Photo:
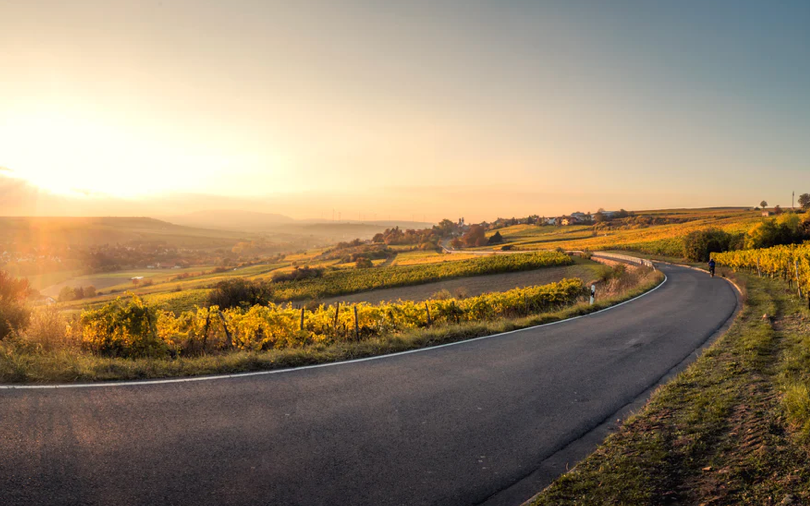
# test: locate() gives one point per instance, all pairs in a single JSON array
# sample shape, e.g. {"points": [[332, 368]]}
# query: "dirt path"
{"points": [[474, 285]]}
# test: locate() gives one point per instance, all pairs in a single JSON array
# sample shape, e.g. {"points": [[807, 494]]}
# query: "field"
{"points": [[343, 282], [477, 285], [657, 239]]}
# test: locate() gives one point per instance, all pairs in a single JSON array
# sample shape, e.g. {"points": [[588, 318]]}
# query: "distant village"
{"points": [[575, 218]]}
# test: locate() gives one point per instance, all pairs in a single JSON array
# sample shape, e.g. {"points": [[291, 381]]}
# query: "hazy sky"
{"points": [[414, 108]]}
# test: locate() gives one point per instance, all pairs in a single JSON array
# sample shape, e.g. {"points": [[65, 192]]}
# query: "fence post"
{"points": [[427, 310], [302, 319], [759, 274], [356, 326], [337, 313], [798, 283]]}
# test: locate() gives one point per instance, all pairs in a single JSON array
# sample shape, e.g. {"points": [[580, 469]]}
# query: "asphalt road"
{"points": [[456, 425]]}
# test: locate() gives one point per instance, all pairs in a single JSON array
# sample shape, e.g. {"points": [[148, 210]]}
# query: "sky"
{"points": [[419, 109]]}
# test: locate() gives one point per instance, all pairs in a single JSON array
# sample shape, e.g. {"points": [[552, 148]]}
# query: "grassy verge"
{"points": [[24, 362], [731, 429]]}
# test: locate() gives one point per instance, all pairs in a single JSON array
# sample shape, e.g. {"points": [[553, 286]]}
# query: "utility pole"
{"points": [[793, 200]]}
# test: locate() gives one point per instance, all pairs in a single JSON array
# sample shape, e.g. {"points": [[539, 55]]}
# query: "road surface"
{"points": [[456, 425]]}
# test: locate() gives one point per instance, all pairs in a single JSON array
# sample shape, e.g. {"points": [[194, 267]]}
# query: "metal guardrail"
{"points": [[623, 258]]}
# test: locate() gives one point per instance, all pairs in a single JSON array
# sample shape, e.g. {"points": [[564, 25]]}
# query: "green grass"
{"points": [[731, 429], [26, 362]]}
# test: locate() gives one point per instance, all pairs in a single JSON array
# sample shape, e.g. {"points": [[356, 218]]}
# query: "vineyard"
{"points": [[656, 239], [790, 263], [342, 282], [131, 328]]}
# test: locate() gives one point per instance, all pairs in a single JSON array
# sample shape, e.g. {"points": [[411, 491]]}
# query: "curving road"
{"points": [[463, 424]]}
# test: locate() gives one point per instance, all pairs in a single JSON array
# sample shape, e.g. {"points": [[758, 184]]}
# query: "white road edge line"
{"points": [[315, 366]]}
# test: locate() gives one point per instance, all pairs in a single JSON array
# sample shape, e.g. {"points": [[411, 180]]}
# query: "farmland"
{"points": [[657, 239], [346, 282], [476, 285]]}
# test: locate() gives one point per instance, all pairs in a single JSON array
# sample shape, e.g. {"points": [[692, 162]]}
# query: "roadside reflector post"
{"points": [[593, 294]]}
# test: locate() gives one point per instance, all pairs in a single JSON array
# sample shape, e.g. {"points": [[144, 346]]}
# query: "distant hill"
{"points": [[62, 231], [230, 220], [278, 227]]}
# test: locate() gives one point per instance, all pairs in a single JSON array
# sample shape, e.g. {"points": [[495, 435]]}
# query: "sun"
{"points": [[66, 153]]}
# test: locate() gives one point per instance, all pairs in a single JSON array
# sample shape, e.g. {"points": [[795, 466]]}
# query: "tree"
{"points": [[763, 204], [497, 238], [14, 315], [804, 201], [777, 210], [67, 294], [456, 243], [89, 291], [476, 236]]}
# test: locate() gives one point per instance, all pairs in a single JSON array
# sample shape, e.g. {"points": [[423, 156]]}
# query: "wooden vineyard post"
{"points": [[337, 313], [229, 342], [302, 319], [798, 283], [427, 310], [205, 329], [759, 273], [356, 325]]}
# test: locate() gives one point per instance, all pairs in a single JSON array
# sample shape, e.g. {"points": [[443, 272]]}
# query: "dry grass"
{"points": [[731, 429]]}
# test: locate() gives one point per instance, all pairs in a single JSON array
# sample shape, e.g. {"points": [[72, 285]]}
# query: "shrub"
{"points": [[364, 263], [238, 292], [298, 273], [14, 316], [786, 229], [700, 244], [48, 328], [122, 328]]}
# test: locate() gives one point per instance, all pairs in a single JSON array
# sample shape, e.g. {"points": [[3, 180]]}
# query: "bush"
{"points": [[363, 263], [497, 238], [238, 292], [299, 273], [121, 328], [786, 229], [48, 328], [14, 315], [700, 244]]}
